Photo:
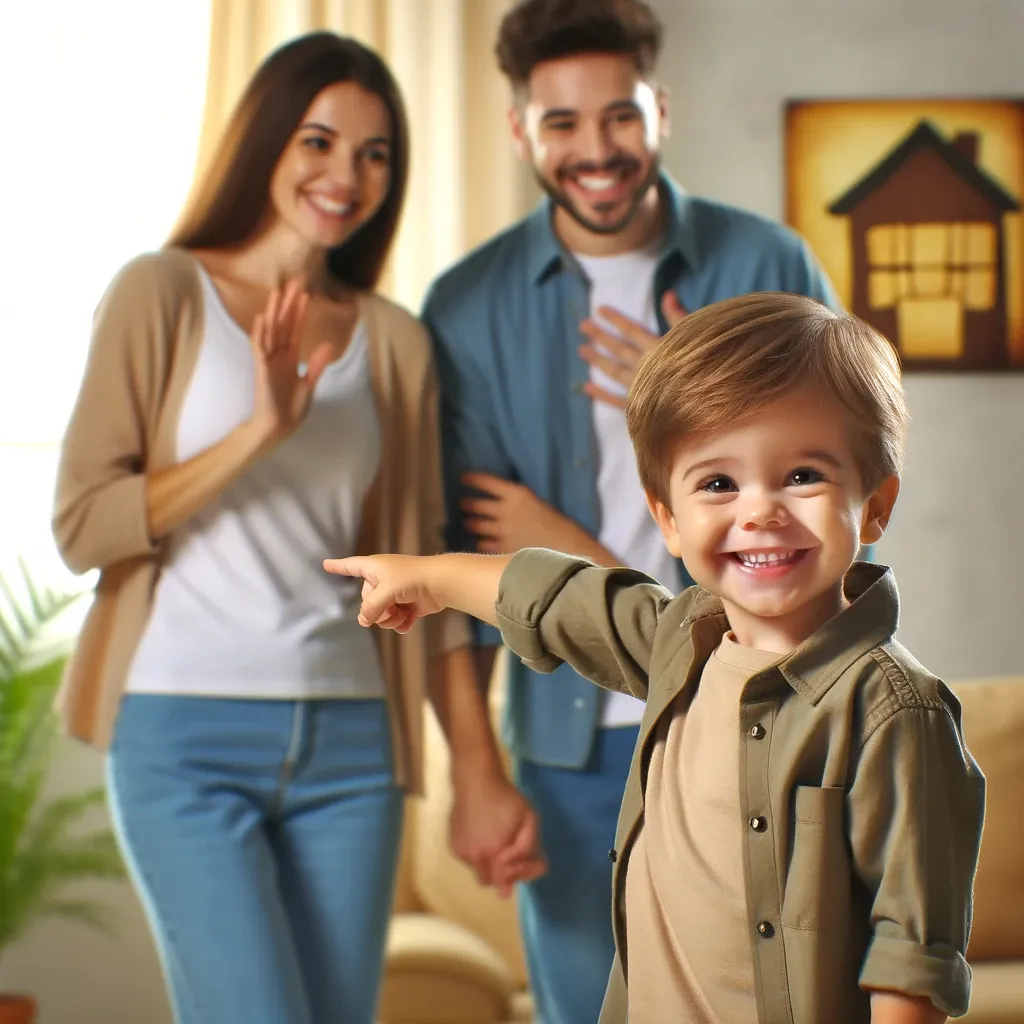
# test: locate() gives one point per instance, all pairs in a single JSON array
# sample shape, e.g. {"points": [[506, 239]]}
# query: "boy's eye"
{"points": [[718, 485], [804, 476], [561, 126]]}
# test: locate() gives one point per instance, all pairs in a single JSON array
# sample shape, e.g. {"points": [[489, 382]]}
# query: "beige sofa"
{"points": [[994, 730], [455, 957]]}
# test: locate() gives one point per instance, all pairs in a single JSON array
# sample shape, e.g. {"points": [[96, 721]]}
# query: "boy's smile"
{"points": [[770, 513]]}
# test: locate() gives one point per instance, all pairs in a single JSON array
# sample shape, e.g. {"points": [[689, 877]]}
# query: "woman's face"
{"points": [[335, 171]]}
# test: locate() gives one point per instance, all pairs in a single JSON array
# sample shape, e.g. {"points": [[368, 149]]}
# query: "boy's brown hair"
{"points": [[727, 361], [534, 31]]}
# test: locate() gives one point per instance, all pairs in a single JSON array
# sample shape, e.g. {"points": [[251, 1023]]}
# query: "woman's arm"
{"points": [[178, 492], [108, 507]]}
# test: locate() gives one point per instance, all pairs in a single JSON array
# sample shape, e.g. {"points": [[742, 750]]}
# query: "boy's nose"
{"points": [[763, 515]]}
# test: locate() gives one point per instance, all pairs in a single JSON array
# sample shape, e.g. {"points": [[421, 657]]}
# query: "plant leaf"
{"points": [[42, 847]]}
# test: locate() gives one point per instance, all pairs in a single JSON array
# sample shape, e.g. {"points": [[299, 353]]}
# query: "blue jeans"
{"points": [[566, 916], [263, 839]]}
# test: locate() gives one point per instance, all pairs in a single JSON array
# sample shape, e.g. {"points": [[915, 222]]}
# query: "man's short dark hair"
{"points": [[535, 31]]}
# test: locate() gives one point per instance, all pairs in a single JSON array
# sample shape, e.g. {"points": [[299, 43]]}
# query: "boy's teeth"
{"points": [[764, 557]]}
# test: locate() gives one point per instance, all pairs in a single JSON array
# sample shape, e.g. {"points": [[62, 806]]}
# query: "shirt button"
{"points": [[765, 930], [613, 856], [578, 387], [579, 463], [757, 731], [578, 703], [759, 824]]}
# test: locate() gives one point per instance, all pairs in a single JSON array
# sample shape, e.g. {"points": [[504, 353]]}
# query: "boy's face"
{"points": [[769, 514]]}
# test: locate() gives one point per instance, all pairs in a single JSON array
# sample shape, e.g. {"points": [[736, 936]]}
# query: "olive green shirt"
{"points": [[863, 805]]}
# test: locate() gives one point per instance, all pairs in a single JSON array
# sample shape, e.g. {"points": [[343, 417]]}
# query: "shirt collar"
{"points": [[870, 620], [545, 253]]}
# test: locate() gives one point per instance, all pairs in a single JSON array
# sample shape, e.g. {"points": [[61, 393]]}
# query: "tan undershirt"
{"points": [[690, 959]]}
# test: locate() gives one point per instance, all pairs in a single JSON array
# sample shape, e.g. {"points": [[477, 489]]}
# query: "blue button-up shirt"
{"points": [[506, 326]]}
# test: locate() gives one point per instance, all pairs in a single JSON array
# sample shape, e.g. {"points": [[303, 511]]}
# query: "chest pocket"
{"points": [[817, 895]]}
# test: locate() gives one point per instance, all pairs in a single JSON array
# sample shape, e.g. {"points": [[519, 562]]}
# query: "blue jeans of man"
{"points": [[262, 836], [566, 916]]}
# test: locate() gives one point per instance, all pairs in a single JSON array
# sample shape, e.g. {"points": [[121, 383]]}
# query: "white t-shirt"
{"points": [[626, 283], [243, 607]]}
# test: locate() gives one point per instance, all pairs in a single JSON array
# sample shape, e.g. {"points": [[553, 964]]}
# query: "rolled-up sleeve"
{"points": [[554, 608], [100, 514], [916, 810]]}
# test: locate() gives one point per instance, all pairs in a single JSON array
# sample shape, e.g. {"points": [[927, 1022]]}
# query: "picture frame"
{"points": [[913, 207]]}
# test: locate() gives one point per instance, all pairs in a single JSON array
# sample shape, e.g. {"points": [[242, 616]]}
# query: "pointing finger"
{"points": [[354, 566]]}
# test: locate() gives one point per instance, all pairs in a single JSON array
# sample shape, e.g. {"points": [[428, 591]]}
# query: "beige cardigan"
{"points": [[146, 339]]}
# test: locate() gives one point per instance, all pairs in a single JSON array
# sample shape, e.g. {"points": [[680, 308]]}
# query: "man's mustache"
{"points": [[612, 166]]}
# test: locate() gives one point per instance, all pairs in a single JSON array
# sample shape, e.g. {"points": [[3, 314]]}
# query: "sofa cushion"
{"points": [[438, 971], [997, 994], [444, 885], [993, 715]]}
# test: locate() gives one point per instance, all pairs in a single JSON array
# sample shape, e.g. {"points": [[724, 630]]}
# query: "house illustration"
{"points": [[927, 247]]}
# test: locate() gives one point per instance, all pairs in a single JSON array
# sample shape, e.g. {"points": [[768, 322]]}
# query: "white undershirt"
{"points": [[243, 607], [626, 283]]}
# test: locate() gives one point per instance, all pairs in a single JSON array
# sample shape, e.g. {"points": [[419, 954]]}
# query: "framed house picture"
{"points": [[914, 209]]}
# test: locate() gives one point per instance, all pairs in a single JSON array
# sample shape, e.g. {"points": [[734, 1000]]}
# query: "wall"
{"points": [[955, 541]]}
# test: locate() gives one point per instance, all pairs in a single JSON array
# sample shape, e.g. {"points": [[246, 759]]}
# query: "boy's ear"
{"points": [[666, 523], [878, 509]]}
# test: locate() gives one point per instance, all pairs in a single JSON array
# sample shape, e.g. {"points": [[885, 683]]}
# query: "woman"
{"points": [[249, 407]]}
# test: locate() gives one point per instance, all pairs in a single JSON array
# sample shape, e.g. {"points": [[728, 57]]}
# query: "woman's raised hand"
{"points": [[283, 394]]}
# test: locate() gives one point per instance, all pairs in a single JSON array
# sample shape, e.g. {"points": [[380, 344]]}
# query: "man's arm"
{"points": [[915, 812], [508, 517], [806, 276], [489, 510]]}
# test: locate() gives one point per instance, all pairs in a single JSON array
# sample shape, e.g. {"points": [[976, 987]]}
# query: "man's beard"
{"points": [[613, 166]]}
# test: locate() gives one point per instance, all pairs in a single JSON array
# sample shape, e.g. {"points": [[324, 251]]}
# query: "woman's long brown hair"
{"points": [[230, 201]]}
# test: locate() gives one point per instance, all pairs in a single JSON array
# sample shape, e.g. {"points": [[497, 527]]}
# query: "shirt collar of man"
{"points": [[546, 255]]}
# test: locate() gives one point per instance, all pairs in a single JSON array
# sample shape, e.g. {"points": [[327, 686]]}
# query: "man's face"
{"points": [[591, 126]]}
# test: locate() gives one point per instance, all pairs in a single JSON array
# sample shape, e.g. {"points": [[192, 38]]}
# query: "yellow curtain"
{"points": [[465, 181]]}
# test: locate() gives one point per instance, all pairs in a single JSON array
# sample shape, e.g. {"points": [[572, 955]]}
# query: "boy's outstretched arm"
{"points": [[551, 608], [399, 589]]}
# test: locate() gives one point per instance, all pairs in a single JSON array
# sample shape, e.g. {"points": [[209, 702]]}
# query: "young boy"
{"points": [[800, 830]]}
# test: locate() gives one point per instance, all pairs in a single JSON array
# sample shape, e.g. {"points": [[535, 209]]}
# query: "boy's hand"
{"points": [[896, 1008], [399, 589], [396, 588]]}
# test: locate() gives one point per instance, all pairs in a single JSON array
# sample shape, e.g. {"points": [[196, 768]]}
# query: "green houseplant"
{"points": [[43, 845]]}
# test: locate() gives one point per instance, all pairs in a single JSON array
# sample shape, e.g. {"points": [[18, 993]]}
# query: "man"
{"points": [[538, 334]]}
